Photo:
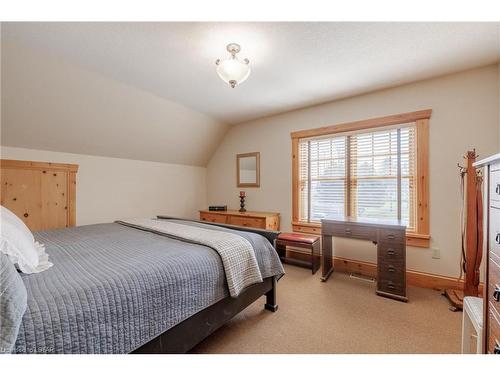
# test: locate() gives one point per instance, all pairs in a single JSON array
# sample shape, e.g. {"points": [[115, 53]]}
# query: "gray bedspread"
{"points": [[113, 288], [12, 303]]}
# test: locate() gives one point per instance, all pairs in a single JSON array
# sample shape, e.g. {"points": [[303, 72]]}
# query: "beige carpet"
{"points": [[342, 315]]}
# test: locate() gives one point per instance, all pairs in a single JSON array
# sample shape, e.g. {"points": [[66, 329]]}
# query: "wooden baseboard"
{"points": [[416, 278]]}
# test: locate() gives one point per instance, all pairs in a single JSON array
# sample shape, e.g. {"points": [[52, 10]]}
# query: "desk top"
{"points": [[397, 224]]}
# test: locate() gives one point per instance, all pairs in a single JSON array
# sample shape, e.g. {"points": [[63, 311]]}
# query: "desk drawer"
{"points": [[392, 236], [493, 332], [392, 286], [247, 222], [391, 251], [393, 269], [213, 218], [353, 231]]}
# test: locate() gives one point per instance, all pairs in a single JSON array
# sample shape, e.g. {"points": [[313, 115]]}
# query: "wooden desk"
{"points": [[252, 219], [390, 237]]}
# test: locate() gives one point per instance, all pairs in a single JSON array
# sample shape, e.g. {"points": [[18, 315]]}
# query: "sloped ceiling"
{"points": [[149, 91], [51, 105]]}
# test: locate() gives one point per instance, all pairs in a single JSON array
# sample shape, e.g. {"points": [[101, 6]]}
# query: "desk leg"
{"points": [[327, 254]]}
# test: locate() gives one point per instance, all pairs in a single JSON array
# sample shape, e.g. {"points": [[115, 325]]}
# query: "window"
{"points": [[369, 169]]}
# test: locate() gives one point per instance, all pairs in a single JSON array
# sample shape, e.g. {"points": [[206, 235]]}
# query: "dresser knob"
{"points": [[26, 214], [497, 238], [496, 349], [391, 269], [390, 236], [348, 231], [390, 252], [496, 293], [497, 189], [391, 286]]}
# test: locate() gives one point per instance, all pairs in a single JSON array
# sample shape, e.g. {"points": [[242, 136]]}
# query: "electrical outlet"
{"points": [[436, 253]]}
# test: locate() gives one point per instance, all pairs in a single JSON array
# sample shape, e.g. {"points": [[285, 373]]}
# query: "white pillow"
{"points": [[7, 214], [17, 242]]}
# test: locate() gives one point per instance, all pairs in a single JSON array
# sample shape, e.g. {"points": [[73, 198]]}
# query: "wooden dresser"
{"points": [[254, 219], [492, 280]]}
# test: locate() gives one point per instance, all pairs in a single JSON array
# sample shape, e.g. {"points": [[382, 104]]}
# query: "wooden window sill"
{"points": [[412, 239]]}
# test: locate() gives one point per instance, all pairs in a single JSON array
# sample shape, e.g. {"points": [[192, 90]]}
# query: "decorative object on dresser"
{"points": [[252, 219], [300, 240], [491, 293], [242, 202], [390, 237], [217, 208], [41, 194], [248, 169], [472, 232]]}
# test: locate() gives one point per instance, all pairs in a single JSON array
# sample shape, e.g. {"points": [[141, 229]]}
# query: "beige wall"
{"points": [[109, 189], [465, 115]]}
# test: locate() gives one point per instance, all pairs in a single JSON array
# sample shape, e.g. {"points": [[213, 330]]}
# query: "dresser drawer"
{"points": [[493, 332], [391, 236], [353, 231], [494, 240], [495, 184], [247, 222], [494, 284], [213, 218]]}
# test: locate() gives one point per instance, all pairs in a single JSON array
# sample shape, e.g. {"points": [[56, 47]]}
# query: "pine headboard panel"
{"points": [[42, 194]]}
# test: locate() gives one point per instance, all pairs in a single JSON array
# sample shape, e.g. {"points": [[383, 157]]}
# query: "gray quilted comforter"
{"points": [[113, 288]]}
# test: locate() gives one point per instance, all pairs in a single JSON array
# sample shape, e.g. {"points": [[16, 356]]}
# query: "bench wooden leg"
{"points": [[281, 250], [315, 257]]}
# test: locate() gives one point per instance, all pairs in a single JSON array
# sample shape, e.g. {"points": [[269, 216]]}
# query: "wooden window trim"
{"points": [[419, 238]]}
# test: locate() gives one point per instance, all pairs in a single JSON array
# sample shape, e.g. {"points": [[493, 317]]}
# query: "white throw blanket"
{"points": [[237, 254]]}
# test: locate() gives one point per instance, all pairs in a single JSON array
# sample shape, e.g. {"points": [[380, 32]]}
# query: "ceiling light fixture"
{"points": [[233, 70]]}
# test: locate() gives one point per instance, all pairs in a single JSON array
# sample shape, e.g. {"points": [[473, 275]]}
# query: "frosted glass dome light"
{"points": [[233, 70]]}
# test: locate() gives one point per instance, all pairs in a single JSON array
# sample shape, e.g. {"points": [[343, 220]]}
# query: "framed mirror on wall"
{"points": [[248, 169]]}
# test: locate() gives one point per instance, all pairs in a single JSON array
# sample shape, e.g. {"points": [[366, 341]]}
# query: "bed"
{"points": [[118, 289]]}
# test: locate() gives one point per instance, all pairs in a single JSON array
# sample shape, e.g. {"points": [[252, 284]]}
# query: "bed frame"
{"points": [[190, 332]]}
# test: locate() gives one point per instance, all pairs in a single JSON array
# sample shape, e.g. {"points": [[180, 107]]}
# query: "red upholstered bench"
{"points": [[299, 240]]}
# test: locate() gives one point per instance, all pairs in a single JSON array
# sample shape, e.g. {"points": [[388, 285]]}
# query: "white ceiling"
{"points": [[293, 64]]}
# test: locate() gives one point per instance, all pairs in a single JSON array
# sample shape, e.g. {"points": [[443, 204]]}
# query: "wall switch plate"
{"points": [[436, 253]]}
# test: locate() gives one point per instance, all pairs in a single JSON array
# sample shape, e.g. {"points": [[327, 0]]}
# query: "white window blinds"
{"points": [[365, 174]]}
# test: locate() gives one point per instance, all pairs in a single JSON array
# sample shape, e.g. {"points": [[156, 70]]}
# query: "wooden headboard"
{"points": [[42, 194]]}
